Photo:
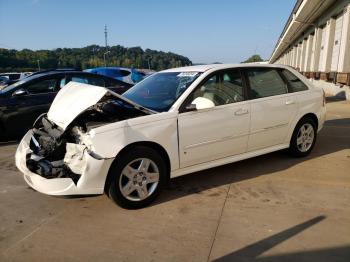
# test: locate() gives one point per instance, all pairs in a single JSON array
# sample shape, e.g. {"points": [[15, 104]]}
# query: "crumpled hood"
{"points": [[74, 98]]}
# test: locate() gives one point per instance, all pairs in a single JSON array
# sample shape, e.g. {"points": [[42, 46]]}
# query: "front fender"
{"points": [[107, 141]]}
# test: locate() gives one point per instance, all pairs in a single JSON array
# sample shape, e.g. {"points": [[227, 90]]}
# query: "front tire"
{"points": [[136, 177], [303, 138]]}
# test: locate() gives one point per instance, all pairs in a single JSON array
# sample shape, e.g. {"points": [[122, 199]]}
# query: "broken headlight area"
{"points": [[56, 153], [59, 153]]}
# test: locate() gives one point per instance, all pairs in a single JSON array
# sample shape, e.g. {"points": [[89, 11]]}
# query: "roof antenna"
{"points": [[106, 36]]}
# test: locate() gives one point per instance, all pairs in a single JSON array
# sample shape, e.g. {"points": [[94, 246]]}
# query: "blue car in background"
{"points": [[127, 75]]}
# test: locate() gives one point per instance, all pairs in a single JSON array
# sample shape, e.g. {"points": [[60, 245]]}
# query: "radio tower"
{"points": [[106, 36]]}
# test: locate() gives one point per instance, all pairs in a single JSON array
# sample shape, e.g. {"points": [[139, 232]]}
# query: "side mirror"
{"points": [[200, 103], [20, 92]]}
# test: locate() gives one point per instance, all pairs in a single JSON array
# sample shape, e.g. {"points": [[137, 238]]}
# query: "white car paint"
{"points": [[193, 141], [214, 133]]}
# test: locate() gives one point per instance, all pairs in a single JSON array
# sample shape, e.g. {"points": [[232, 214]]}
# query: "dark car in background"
{"points": [[22, 102]]}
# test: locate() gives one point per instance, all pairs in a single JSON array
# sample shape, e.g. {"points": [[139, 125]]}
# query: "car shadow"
{"points": [[253, 251], [331, 139], [341, 96]]}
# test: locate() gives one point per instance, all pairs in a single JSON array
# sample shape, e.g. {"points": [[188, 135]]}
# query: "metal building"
{"points": [[316, 41]]}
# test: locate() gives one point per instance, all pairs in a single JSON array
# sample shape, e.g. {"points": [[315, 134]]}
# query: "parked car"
{"points": [[22, 102], [175, 122], [127, 75]]}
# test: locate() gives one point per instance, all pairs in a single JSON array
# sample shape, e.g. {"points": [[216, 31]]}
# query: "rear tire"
{"points": [[304, 138], [136, 177]]}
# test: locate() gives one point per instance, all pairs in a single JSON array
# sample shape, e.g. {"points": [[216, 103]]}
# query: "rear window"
{"points": [[294, 82]]}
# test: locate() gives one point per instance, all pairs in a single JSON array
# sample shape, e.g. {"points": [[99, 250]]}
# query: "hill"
{"points": [[87, 57]]}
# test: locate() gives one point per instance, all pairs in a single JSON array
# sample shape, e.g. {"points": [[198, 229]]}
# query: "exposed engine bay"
{"points": [[59, 153]]}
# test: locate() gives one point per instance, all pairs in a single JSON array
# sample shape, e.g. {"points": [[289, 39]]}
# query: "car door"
{"points": [[272, 107], [24, 109], [215, 133]]}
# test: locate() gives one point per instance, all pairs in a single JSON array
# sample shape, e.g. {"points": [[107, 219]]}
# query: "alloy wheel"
{"points": [[305, 137], [139, 179]]}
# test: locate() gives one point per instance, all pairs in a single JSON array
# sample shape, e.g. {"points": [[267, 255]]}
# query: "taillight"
{"points": [[324, 98]]}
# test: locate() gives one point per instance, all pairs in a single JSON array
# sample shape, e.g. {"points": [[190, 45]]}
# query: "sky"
{"points": [[205, 31]]}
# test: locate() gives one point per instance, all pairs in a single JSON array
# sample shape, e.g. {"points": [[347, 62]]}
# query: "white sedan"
{"points": [[174, 122]]}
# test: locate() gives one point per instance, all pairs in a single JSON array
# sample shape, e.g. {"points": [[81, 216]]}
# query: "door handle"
{"points": [[290, 102], [241, 112]]}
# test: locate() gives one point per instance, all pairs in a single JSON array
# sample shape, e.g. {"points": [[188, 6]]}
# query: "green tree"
{"points": [[254, 58], [87, 57]]}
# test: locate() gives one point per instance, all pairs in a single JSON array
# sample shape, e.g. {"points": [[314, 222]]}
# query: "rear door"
{"points": [[272, 107]]}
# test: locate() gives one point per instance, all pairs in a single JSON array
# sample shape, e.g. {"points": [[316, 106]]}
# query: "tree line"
{"points": [[88, 57]]}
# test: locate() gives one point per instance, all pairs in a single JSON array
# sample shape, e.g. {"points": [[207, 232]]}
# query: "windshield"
{"points": [[160, 91]]}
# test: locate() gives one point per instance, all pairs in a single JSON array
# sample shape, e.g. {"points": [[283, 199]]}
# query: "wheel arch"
{"points": [[313, 116], [157, 147], [310, 115]]}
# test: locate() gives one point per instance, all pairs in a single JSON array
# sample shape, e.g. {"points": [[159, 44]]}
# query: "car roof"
{"points": [[203, 68], [57, 72]]}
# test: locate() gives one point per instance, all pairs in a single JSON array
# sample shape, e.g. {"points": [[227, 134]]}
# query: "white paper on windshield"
{"points": [[187, 74]]}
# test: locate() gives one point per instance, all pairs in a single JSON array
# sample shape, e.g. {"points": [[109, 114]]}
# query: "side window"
{"points": [[43, 86], [294, 82], [89, 80], [62, 82], [232, 87], [96, 81], [124, 72], [265, 82], [208, 90], [223, 91], [79, 79], [114, 83]]}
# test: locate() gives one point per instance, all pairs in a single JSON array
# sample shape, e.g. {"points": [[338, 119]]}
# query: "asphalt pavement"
{"points": [[269, 208]]}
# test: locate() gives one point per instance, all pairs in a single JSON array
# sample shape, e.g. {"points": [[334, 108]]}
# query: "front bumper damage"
{"points": [[58, 157], [89, 177]]}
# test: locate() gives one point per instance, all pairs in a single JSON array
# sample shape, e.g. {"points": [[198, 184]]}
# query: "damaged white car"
{"points": [[175, 122]]}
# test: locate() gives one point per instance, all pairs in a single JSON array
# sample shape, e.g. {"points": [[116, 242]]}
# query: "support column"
{"points": [[315, 53], [307, 62], [298, 56], [295, 56], [303, 53], [344, 52], [328, 47]]}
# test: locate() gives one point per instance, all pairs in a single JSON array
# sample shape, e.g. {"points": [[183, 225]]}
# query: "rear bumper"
{"points": [[92, 178], [321, 118]]}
